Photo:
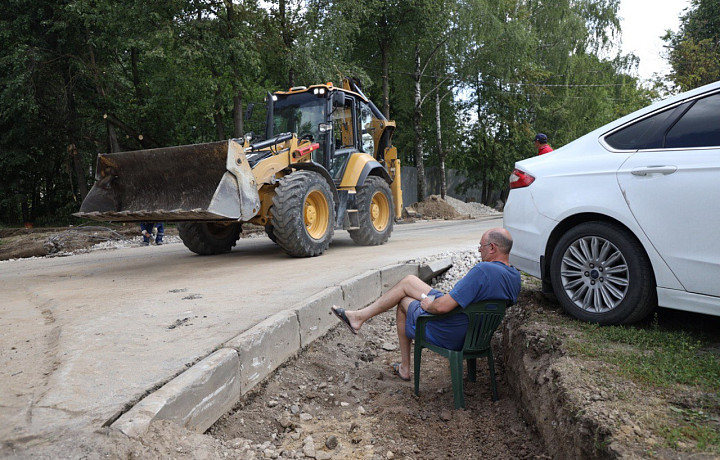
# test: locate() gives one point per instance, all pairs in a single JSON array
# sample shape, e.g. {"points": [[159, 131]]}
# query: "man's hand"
{"points": [[442, 304]]}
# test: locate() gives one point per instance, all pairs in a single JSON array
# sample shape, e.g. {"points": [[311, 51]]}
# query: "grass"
{"points": [[677, 363], [653, 356]]}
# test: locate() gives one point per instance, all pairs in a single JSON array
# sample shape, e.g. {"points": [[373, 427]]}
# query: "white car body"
{"points": [[667, 198]]}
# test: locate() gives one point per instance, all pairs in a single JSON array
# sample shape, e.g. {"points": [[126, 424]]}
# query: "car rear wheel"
{"points": [[601, 274]]}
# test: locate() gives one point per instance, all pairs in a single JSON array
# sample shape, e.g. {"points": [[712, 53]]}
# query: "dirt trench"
{"points": [[341, 399]]}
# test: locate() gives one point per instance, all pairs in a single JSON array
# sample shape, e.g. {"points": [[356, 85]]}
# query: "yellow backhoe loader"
{"points": [[326, 162]]}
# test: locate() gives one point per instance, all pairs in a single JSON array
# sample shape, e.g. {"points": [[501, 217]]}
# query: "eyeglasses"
{"points": [[480, 246]]}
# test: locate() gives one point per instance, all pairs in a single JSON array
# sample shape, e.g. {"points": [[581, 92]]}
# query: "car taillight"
{"points": [[520, 179]]}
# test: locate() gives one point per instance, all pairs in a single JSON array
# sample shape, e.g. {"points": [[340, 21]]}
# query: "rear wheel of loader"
{"points": [[375, 212], [303, 214], [207, 238]]}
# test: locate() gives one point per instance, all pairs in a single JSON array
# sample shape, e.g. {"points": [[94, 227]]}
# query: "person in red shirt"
{"points": [[541, 142]]}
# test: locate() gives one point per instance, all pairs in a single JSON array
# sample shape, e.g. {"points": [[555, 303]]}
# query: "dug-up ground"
{"points": [[339, 399]]}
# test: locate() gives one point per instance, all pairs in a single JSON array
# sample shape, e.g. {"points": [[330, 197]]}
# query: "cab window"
{"points": [[366, 133]]}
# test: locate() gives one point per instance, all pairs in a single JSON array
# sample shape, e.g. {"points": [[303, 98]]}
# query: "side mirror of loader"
{"points": [[249, 110], [338, 99]]}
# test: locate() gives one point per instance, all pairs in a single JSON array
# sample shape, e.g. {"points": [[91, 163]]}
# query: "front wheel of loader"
{"points": [[207, 238], [303, 214], [375, 212]]}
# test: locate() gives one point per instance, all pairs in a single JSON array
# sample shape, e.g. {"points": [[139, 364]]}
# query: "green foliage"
{"points": [[695, 49], [81, 77]]}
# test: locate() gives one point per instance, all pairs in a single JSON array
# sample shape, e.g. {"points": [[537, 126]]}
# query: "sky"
{"points": [[643, 23]]}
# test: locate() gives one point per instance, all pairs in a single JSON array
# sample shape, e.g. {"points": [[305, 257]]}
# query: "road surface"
{"points": [[85, 337]]}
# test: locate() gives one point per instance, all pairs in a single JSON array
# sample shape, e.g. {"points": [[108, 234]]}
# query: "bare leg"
{"points": [[410, 286], [405, 342]]}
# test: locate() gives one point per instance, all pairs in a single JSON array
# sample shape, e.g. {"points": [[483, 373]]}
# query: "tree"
{"points": [[694, 53]]}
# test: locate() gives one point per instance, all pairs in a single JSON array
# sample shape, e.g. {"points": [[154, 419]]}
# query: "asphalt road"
{"points": [[83, 337]]}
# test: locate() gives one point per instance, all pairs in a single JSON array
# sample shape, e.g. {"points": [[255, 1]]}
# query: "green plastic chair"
{"points": [[484, 318]]}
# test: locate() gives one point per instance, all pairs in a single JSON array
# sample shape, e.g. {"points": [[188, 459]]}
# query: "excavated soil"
{"points": [[341, 399]]}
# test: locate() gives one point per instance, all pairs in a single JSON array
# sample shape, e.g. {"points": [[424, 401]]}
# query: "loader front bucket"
{"points": [[191, 182]]}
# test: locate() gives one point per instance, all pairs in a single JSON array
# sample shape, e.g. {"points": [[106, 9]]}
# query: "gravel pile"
{"points": [[462, 262], [471, 209]]}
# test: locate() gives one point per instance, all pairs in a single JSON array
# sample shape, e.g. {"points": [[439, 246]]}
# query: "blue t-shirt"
{"points": [[485, 281]]}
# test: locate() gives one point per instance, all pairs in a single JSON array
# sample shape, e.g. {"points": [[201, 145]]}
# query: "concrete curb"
{"points": [[198, 397]]}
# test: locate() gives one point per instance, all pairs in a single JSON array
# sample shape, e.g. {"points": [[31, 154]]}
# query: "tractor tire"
{"points": [[375, 212], [303, 216], [270, 232], [208, 238]]}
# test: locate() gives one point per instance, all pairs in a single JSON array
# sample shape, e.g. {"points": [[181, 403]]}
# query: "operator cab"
{"points": [[340, 121]]}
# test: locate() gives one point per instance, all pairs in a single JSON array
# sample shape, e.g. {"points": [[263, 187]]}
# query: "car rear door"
{"points": [[674, 194]]}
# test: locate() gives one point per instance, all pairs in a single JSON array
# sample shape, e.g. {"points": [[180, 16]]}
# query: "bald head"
{"points": [[501, 238], [495, 245]]}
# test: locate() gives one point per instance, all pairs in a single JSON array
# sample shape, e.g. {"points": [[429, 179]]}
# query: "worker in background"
{"points": [[541, 142], [147, 229]]}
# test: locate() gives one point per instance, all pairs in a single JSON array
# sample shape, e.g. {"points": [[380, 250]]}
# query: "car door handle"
{"points": [[653, 170]]}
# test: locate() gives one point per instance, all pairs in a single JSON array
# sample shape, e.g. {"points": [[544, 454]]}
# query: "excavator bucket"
{"points": [[191, 182]]}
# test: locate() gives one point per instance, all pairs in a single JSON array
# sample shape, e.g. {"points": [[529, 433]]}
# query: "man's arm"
{"points": [[440, 305]]}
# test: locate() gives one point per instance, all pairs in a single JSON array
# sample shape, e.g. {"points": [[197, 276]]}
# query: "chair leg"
{"points": [[456, 373], [472, 369], [418, 356], [493, 385]]}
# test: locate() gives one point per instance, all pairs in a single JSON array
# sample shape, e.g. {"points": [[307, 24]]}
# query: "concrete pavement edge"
{"points": [[198, 397]]}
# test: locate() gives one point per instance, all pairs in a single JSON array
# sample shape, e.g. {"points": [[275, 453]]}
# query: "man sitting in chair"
{"points": [[493, 278]]}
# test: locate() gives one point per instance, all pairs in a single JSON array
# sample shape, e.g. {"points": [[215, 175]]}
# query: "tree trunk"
{"points": [[72, 130], [385, 51], [219, 125], [441, 155], [113, 144], [417, 127], [78, 169], [287, 39], [238, 122]]}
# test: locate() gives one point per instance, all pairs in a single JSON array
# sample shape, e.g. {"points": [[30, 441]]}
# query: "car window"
{"points": [[647, 133], [699, 127]]}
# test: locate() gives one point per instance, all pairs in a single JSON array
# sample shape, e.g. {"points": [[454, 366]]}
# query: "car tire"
{"points": [[601, 274]]}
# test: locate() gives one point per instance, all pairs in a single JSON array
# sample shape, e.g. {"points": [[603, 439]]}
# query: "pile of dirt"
{"points": [[434, 207], [19, 243]]}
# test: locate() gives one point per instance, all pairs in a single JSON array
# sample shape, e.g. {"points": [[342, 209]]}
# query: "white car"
{"points": [[626, 217]]}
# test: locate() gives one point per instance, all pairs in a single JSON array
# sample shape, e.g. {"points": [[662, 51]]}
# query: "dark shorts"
{"points": [[415, 310], [446, 333]]}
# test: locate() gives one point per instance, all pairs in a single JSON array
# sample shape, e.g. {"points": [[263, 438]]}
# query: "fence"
{"points": [[432, 177]]}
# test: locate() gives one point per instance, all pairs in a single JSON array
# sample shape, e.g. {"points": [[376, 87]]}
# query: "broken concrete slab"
{"points": [[430, 270]]}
